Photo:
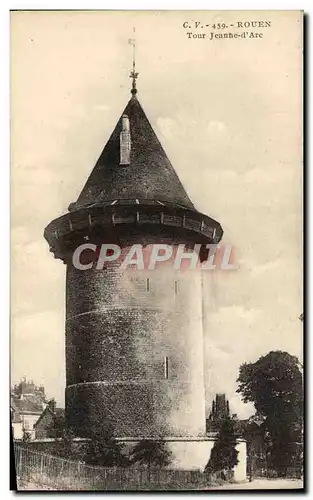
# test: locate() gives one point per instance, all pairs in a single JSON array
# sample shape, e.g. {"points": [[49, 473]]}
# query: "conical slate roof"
{"points": [[149, 177]]}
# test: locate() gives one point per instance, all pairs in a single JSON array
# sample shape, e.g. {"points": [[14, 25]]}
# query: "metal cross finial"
{"points": [[133, 73]]}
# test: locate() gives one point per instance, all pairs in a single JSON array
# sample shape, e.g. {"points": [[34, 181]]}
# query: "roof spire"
{"points": [[133, 73]]}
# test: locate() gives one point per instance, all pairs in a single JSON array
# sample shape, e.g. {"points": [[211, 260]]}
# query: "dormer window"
{"points": [[125, 143]]}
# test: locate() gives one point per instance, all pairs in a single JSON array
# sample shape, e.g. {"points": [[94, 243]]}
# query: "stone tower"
{"points": [[134, 337]]}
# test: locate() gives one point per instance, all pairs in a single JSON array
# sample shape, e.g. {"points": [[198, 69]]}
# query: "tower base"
{"points": [[190, 453]]}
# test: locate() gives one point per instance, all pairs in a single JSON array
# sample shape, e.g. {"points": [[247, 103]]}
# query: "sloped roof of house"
{"points": [[57, 414], [26, 405]]}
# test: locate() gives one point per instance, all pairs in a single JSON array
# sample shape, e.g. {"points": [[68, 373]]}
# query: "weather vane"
{"points": [[133, 73]]}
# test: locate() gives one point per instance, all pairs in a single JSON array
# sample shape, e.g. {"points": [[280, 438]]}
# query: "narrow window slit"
{"points": [[148, 285], [176, 287], [165, 367]]}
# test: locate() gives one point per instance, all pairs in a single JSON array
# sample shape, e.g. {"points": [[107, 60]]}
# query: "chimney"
{"points": [[125, 143]]}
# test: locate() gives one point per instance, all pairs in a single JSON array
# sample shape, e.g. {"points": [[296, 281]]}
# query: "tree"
{"points": [[224, 454], [26, 436], [104, 450], [147, 452], [274, 384], [66, 448]]}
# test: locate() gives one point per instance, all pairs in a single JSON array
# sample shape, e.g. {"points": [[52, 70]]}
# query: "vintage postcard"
{"points": [[156, 250]]}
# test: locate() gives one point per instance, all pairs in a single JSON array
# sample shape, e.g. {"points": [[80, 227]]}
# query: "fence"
{"points": [[35, 470]]}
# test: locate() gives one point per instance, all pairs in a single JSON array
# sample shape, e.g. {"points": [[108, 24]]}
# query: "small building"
{"points": [[27, 404], [51, 422], [219, 410], [24, 415], [28, 388], [16, 424]]}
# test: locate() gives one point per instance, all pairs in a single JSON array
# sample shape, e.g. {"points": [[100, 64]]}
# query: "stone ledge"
{"points": [[65, 227]]}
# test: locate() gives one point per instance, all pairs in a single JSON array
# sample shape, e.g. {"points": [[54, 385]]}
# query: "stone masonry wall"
{"points": [[134, 351]]}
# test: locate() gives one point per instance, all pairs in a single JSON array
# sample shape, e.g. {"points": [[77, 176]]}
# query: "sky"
{"points": [[228, 114]]}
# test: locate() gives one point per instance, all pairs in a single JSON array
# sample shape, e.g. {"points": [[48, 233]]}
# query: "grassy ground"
{"points": [[259, 484], [264, 484]]}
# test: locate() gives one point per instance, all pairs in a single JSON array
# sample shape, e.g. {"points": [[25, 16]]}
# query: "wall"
{"points": [[194, 454], [52, 446], [28, 422], [118, 332], [190, 455], [240, 472], [17, 430]]}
